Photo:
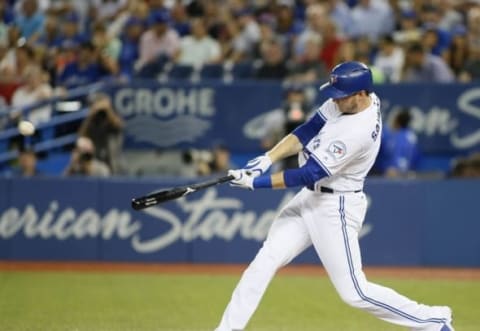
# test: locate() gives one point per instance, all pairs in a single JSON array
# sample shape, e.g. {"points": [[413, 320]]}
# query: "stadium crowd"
{"points": [[48, 46], [79, 42]]}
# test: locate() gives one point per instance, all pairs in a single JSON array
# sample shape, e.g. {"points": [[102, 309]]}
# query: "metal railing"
{"points": [[48, 140]]}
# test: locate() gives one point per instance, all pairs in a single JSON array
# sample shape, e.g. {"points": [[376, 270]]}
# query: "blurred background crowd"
{"points": [[50, 46]]}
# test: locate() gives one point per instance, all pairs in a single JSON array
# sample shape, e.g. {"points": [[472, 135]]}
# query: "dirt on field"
{"points": [[306, 270]]}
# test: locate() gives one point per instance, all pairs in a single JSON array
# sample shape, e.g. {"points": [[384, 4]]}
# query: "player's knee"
{"points": [[352, 299], [266, 258]]}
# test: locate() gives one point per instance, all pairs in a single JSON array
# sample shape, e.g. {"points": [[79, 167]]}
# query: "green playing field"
{"points": [[67, 301]]}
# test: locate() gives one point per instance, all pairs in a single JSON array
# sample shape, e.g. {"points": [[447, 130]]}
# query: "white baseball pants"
{"points": [[331, 223]]}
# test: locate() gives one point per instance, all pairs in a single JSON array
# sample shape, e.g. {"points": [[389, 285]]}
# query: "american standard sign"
{"points": [[205, 217]]}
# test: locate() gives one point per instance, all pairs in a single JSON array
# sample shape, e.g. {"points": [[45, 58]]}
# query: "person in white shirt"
{"points": [[338, 146], [390, 59], [199, 48], [34, 90]]}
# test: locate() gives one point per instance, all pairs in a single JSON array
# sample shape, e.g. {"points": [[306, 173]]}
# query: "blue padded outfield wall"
{"points": [[431, 223], [446, 117]]}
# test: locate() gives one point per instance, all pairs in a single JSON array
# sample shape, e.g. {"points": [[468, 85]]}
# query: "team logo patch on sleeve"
{"points": [[337, 149]]}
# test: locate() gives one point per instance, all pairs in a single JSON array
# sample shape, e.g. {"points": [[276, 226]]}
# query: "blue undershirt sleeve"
{"points": [[309, 129], [303, 176]]}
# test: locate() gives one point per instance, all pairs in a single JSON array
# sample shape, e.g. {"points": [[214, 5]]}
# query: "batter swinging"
{"points": [[337, 146]]}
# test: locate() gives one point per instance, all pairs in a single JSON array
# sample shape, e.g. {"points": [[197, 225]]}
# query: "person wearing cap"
{"points": [[159, 40], [421, 66], [70, 36], [129, 52]]}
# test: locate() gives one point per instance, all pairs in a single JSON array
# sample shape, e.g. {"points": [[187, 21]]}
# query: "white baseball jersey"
{"points": [[352, 139]]}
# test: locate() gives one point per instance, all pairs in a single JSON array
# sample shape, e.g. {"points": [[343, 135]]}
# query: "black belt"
{"points": [[324, 189]]}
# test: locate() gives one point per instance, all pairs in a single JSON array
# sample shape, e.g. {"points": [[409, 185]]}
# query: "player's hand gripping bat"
{"points": [[174, 193]]}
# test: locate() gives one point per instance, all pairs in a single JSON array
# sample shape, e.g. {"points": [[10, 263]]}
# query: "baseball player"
{"points": [[337, 147]]}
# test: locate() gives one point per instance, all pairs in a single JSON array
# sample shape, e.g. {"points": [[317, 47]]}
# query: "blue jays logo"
{"points": [[337, 149], [333, 79]]}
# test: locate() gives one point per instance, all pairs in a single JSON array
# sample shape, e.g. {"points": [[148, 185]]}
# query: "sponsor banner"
{"points": [[446, 117], [185, 115], [5, 251], [407, 223]]}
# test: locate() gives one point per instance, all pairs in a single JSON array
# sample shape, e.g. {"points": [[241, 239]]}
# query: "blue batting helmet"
{"points": [[348, 78]]}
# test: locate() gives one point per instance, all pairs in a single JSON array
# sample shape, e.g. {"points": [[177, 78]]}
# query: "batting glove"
{"points": [[242, 179], [259, 165]]}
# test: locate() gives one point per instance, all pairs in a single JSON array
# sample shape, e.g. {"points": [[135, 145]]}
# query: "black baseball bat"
{"points": [[175, 193]]}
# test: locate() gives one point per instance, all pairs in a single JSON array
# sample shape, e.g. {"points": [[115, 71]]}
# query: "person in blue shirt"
{"points": [[84, 70], [403, 143], [70, 31], [30, 21], [385, 154], [129, 52]]}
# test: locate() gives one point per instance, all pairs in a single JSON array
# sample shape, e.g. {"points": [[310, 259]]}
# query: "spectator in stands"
{"points": [[15, 62], [458, 53], [466, 167], [471, 68], [50, 35], [27, 163], [273, 66], [421, 66], [341, 15], [35, 89], [84, 69], [307, 68], [404, 144], [247, 37], [129, 52], [288, 27], [331, 44], [314, 27], [180, 19], [71, 35], [434, 38], [293, 111], [473, 23], [105, 128], [30, 21], [372, 18], [450, 16], [408, 31], [160, 42], [83, 161], [107, 10], [6, 18], [137, 9], [214, 162], [377, 74], [221, 161], [107, 48], [390, 59], [199, 48]]}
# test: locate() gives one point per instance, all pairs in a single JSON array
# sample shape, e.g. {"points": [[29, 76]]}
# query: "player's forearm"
{"points": [[303, 176], [288, 146]]}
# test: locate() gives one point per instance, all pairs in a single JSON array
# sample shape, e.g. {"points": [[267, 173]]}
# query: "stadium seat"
{"points": [[181, 72], [211, 71], [153, 69], [243, 70]]}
